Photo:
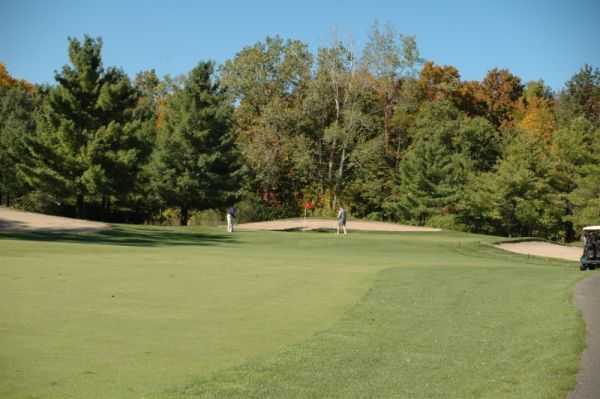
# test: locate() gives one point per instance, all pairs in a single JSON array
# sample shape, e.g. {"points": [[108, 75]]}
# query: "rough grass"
{"points": [[178, 313]]}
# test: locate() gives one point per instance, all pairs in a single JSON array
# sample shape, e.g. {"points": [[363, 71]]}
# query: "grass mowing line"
{"points": [[95, 316], [190, 302], [428, 332]]}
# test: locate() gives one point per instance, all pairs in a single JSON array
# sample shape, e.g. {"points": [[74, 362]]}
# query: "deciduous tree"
{"points": [[500, 90], [389, 57]]}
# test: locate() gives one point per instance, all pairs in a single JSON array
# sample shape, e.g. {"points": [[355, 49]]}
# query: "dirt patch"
{"points": [[540, 248], [13, 220], [329, 224]]}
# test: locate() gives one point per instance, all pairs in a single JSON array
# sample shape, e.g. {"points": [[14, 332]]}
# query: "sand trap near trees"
{"points": [[14, 220], [540, 248], [329, 224]]}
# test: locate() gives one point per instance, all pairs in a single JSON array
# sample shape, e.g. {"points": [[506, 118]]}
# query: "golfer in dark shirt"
{"points": [[230, 219]]}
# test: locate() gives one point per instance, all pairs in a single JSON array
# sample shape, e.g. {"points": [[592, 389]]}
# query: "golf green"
{"points": [[153, 312]]}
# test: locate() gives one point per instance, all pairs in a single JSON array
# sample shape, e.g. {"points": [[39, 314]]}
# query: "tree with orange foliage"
{"points": [[500, 91], [439, 82], [5, 79], [470, 100]]}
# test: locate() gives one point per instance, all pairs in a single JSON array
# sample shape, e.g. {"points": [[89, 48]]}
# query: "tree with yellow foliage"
{"points": [[537, 111]]}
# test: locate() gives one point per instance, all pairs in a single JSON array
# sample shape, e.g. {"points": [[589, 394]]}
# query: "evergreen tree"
{"points": [[585, 199], [194, 165], [16, 124], [430, 183], [433, 170], [371, 183], [478, 141], [88, 141], [519, 197], [581, 96], [576, 145]]}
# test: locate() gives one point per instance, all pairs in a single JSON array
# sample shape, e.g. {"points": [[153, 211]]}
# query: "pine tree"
{"points": [[585, 199], [16, 124], [519, 197], [194, 164], [581, 96], [88, 140], [430, 182]]}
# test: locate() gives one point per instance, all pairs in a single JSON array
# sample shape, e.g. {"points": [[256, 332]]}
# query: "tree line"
{"points": [[385, 133]]}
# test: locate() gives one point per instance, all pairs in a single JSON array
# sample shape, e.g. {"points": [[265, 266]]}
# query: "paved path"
{"points": [[14, 220], [587, 296]]}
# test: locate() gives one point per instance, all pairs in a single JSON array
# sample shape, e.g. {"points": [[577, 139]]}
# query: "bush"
{"points": [[323, 212], [252, 209], [446, 222], [375, 216], [37, 201], [167, 217], [208, 217]]}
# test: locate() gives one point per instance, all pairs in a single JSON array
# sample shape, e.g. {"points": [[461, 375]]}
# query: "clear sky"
{"points": [[538, 39]]}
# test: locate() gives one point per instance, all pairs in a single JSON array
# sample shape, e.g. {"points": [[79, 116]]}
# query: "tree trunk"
{"points": [[107, 209], [319, 169], [183, 220], [80, 205], [103, 207], [386, 133], [340, 174], [333, 143], [330, 163], [387, 116]]}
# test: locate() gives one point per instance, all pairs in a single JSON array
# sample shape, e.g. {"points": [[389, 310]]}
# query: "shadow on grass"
{"points": [[10, 224], [127, 236]]}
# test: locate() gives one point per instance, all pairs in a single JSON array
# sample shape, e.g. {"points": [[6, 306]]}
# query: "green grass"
{"points": [[149, 312]]}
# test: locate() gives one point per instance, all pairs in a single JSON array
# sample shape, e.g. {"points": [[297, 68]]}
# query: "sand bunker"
{"points": [[329, 224], [539, 248], [13, 220]]}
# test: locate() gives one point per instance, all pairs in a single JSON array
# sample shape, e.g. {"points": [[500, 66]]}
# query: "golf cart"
{"points": [[591, 248]]}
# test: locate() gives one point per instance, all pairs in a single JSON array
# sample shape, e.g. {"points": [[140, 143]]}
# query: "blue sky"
{"points": [[536, 39]]}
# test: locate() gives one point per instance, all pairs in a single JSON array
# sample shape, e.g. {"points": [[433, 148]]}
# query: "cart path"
{"points": [[330, 224], [587, 297], [14, 220]]}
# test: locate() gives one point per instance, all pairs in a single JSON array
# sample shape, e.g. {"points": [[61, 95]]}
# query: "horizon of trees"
{"points": [[385, 133]]}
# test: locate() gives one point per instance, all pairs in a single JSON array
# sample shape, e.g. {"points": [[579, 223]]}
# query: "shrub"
{"points": [[446, 222], [208, 217]]}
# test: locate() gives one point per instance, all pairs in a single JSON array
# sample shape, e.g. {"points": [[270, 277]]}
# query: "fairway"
{"points": [[156, 312]]}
